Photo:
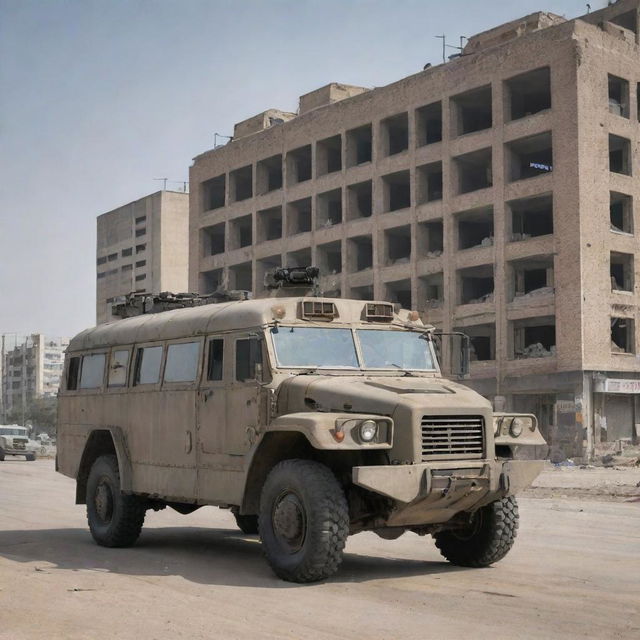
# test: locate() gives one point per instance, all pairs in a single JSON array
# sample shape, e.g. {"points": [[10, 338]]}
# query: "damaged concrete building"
{"points": [[497, 194]]}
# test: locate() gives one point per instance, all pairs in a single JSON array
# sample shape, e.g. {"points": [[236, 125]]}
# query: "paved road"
{"points": [[574, 573]]}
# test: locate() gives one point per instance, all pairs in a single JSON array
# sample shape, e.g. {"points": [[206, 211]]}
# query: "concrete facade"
{"points": [[142, 246], [30, 370], [497, 194]]}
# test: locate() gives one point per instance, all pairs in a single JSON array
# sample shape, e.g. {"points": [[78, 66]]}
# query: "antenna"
{"points": [[164, 182], [219, 135], [443, 37]]}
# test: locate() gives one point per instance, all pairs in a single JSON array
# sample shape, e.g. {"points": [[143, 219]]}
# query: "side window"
{"points": [[148, 360], [182, 362], [72, 374], [215, 361], [248, 355], [118, 368], [92, 371]]}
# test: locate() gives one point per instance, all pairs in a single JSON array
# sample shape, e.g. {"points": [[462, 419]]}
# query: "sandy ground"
{"points": [[573, 573]]}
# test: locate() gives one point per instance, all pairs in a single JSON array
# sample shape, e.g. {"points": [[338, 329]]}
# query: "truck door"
{"points": [[212, 403]]}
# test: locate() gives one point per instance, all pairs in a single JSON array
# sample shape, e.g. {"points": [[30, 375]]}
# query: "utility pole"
{"points": [[164, 182]]}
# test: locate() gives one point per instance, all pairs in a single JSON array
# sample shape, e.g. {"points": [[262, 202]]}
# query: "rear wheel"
{"points": [[30, 457], [304, 521], [1, 456], [115, 519], [488, 538]]}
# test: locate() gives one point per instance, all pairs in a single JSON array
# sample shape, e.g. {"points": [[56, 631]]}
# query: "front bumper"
{"points": [[433, 492]]}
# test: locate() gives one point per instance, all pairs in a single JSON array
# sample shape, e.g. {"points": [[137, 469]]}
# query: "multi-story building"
{"points": [[31, 370], [497, 194], [142, 246]]}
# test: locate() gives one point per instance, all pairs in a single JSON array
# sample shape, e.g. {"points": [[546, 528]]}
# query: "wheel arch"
{"points": [[101, 442]]}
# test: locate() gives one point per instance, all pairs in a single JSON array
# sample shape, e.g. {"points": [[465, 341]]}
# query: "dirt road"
{"points": [[574, 572]]}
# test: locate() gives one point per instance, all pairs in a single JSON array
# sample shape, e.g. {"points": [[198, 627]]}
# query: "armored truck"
{"points": [[14, 441], [310, 418]]}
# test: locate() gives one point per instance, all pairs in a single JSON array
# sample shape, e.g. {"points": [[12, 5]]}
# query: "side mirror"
{"points": [[453, 352]]}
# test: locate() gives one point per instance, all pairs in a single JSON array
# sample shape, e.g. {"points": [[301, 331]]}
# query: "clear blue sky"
{"points": [[98, 97]]}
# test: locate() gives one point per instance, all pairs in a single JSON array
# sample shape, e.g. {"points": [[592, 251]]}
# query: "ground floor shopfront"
{"points": [[581, 413]]}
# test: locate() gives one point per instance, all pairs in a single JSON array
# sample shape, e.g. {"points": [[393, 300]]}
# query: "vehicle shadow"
{"points": [[205, 556]]}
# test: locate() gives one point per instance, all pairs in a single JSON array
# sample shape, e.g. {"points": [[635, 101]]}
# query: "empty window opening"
{"points": [[395, 134], [213, 193], [626, 21], [269, 224], [398, 245], [621, 271], [299, 165], [241, 183], [534, 338], [482, 341], [529, 157], [329, 155], [210, 281], [330, 258], [329, 211], [429, 124], [621, 212], [264, 266], [360, 253], [429, 177], [430, 239], [240, 232], [269, 174], [359, 145], [400, 293], [619, 155], [241, 277], [301, 258], [397, 191], [213, 240], [475, 228], [528, 93], [474, 171], [299, 217], [431, 291], [476, 285], [362, 293], [531, 217], [619, 96], [471, 111], [532, 278], [359, 200], [622, 335]]}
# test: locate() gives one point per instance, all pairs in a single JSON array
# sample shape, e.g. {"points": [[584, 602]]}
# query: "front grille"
{"points": [[459, 436]]}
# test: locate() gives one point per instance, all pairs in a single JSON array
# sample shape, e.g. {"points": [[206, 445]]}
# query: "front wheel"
{"points": [[115, 519], [248, 524], [488, 538], [304, 521], [30, 457]]}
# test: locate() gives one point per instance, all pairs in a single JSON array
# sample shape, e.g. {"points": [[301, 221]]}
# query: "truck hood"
{"points": [[380, 395]]}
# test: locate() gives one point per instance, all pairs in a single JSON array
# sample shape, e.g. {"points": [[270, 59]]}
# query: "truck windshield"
{"points": [[314, 347], [8, 431], [335, 348], [401, 349]]}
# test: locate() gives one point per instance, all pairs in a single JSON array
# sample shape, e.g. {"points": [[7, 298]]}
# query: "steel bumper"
{"points": [[434, 492]]}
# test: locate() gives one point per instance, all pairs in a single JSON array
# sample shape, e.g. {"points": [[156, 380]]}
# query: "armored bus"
{"points": [[310, 418]]}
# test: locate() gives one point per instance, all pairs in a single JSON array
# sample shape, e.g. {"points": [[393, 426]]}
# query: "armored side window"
{"points": [[215, 362], [148, 360], [92, 371], [182, 362], [248, 355], [72, 374], [118, 368]]}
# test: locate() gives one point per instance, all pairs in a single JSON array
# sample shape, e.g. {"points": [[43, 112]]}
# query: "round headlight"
{"points": [[517, 426], [368, 430]]}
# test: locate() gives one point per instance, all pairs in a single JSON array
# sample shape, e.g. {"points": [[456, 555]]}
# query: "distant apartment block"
{"points": [[30, 370], [142, 247], [498, 194]]}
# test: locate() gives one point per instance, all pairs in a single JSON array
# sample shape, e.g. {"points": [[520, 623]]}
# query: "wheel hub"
{"points": [[289, 520], [104, 502]]}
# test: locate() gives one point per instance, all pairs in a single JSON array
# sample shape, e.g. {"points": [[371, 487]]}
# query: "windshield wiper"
{"points": [[307, 372], [406, 373]]}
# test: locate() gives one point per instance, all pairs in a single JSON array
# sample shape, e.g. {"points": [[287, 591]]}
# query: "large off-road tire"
{"points": [[304, 521], [248, 524], [30, 457], [115, 519], [1, 456], [488, 538]]}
